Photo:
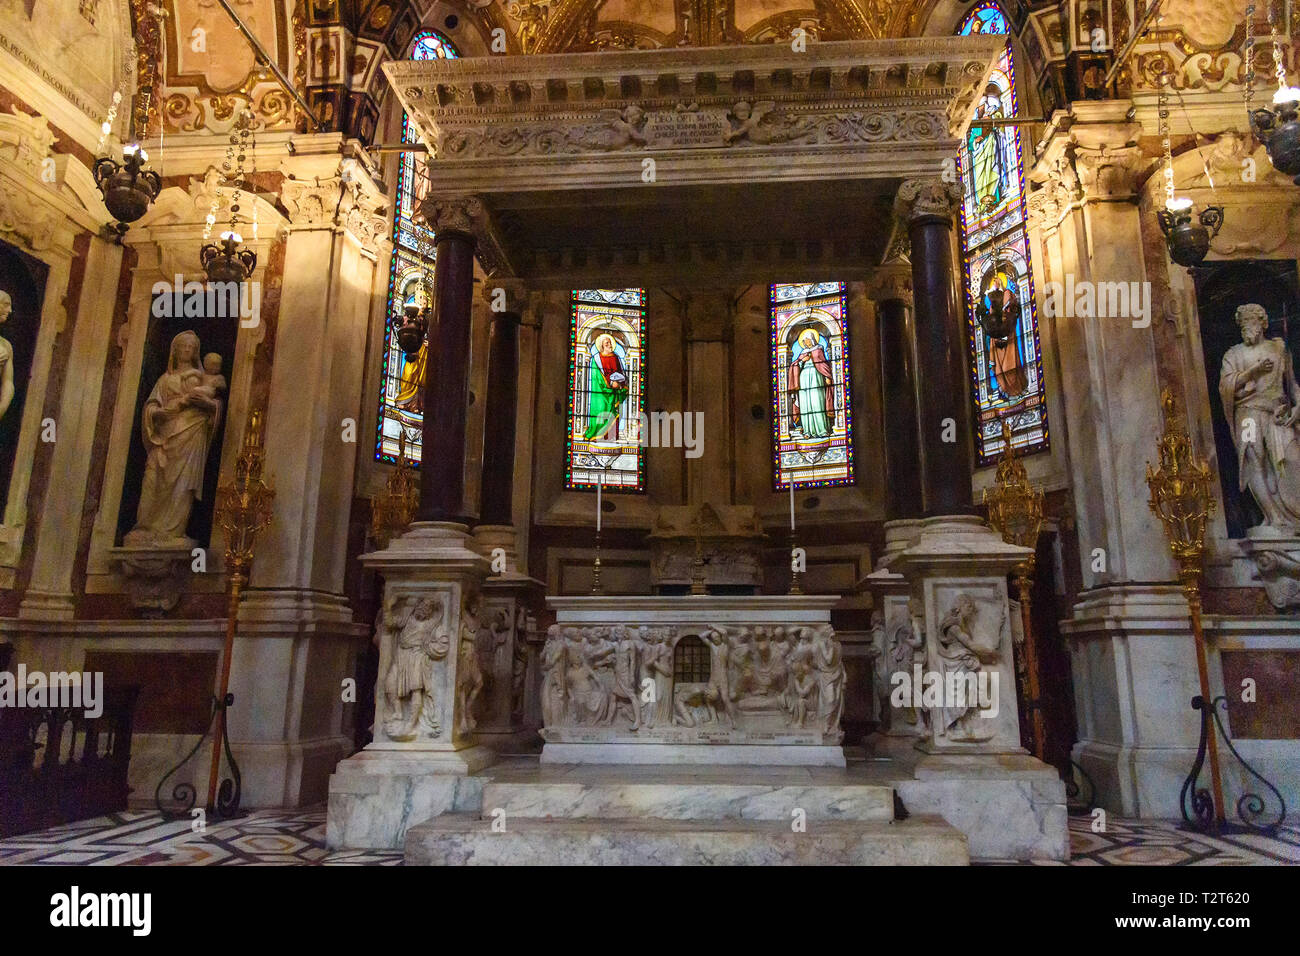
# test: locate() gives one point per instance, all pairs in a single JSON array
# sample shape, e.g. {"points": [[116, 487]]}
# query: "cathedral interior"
{"points": [[633, 413]]}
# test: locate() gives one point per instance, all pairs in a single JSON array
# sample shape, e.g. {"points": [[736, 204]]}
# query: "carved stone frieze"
{"points": [[742, 125], [713, 683]]}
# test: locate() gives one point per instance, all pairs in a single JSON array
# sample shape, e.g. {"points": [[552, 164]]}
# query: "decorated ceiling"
{"points": [[333, 50]]}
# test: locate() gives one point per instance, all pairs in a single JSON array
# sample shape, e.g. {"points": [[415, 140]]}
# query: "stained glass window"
{"points": [[410, 281], [607, 356], [812, 424], [1006, 372]]}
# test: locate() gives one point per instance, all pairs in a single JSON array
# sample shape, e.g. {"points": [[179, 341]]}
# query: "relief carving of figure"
{"points": [[6, 357], [763, 675], [626, 696], [180, 416], [657, 665], [1258, 387], [589, 698], [618, 129], [408, 685], [964, 649], [519, 666], [829, 664], [761, 124], [469, 676], [718, 693], [553, 675]]}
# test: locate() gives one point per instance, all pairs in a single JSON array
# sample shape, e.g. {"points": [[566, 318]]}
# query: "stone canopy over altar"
{"points": [[689, 337]]}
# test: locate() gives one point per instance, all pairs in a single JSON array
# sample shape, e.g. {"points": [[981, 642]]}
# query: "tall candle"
{"points": [[598, 487], [791, 504]]}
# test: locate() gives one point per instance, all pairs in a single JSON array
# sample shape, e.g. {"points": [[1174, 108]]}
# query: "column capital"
{"points": [[506, 297], [926, 199], [460, 214], [893, 283], [1108, 172]]}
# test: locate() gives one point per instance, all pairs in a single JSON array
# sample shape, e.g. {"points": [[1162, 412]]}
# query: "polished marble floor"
{"points": [[297, 838]]}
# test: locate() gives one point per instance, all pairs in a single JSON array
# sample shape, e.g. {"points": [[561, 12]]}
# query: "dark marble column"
{"points": [[928, 207], [892, 292], [446, 384], [497, 489]]}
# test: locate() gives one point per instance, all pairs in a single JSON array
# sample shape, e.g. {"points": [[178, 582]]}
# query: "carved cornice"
{"points": [[500, 123], [926, 198]]}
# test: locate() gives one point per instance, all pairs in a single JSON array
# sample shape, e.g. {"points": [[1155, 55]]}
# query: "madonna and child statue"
{"points": [[179, 420]]}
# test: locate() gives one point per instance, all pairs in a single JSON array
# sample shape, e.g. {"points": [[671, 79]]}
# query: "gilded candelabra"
{"points": [[1015, 510], [1182, 497], [243, 510], [392, 511]]}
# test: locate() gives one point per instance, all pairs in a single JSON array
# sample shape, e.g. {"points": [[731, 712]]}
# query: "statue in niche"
{"points": [[408, 685], [469, 675], [829, 664], [1258, 387], [6, 357], [180, 417], [553, 676], [963, 650]]}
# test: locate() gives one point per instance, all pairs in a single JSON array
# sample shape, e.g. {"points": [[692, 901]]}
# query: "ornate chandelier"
{"points": [[226, 261], [1278, 128], [1187, 241], [127, 187]]}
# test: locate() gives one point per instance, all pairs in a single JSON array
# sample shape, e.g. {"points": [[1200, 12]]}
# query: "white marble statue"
{"points": [[1258, 387], [409, 684], [6, 358], [180, 417]]}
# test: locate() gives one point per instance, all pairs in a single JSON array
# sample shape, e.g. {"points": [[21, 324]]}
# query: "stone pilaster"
{"points": [[708, 322], [296, 636]]}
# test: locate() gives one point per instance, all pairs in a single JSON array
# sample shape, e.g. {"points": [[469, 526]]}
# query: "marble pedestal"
{"points": [[957, 572], [428, 695], [507, 628]]}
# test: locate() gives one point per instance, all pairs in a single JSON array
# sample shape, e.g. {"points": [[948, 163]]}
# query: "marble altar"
{"points": [[697, 679]]}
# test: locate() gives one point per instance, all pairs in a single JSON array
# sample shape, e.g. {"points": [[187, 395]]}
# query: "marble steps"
{"points": [[689, 798], [467, 839]]}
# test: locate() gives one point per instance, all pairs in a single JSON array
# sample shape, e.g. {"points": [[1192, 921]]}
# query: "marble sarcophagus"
{"points": [[693, 679]]}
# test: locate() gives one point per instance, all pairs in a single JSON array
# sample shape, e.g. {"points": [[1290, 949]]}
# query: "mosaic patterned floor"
{"points": [[297, 838]]}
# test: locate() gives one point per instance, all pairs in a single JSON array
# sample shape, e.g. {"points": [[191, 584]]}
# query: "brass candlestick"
{"points": [[596, 587], [243, 510], [796, 576], [392, 512], [1016, 512], [1182, 499]]}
